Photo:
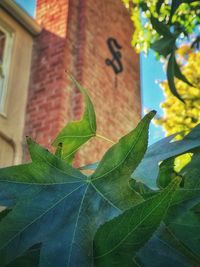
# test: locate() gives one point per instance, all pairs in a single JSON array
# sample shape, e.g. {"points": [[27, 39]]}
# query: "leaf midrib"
{"points": [[76, 224], [138, 225], [80, 208], [75, 136], [104, 197], [59, 170]]}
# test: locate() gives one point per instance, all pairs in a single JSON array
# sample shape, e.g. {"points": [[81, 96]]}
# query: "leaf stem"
{"points": [[105, 138]]}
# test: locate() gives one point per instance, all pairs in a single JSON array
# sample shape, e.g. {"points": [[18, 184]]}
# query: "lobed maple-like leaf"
{"points": [[59, 209]]}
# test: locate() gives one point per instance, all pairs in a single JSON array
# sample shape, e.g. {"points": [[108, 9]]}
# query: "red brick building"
{"points": [[90, 39]]}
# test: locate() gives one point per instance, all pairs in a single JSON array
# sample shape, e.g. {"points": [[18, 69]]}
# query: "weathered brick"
{"points": [[74, 38]]}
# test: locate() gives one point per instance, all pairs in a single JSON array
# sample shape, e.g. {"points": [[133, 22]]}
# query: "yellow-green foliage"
{"points": [[187, 16], [180, 117], [179, 20]]}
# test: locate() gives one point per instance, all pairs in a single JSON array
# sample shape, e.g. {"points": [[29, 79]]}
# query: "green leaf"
{"points": [[29, 259], [164, 46], [3, 213], [147, 171], [182, 220], [166, 173], [178, 241], [123, 163], [58, 207], [196, 43], [186, 228], [58, 151], [158, 5], [161, 28], [142, 189], [171, 75], [174, 6], [45, 202], [173, 70], [163, 249], [190, 191], [118, 240], [77, 133], [196, 208], [178, 74]]}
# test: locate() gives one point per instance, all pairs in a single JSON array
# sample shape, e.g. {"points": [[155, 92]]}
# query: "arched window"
{"points": [[5, 58], [2, 44], [2, 53]]}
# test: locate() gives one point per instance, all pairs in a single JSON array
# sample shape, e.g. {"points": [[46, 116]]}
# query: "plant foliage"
{"points": [[179, 117], [55, 215], [163, 26]]}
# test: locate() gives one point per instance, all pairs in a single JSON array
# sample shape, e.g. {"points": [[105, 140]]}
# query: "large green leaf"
{"points": [[77, 133], [118, 240], [58, 207], [148, 169]]}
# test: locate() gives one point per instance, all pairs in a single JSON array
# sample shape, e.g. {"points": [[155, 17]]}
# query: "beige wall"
{"points": [[12, 122]]}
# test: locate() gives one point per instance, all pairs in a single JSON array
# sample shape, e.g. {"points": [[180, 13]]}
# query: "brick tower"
{"points": [[90, 39]]}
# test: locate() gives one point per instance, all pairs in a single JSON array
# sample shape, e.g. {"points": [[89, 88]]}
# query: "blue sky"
{"points": [[151, 70], [152, 95], [28, 5]]}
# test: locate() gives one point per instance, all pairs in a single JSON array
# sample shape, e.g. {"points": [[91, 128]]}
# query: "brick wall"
{"points": [[48, 105], [75, 38]]}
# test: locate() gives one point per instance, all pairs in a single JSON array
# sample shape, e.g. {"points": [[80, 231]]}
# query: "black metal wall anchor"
{"points": [[115, 62]]}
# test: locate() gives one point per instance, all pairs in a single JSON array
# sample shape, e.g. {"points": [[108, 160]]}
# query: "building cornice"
{"points": [[14, 10]]}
